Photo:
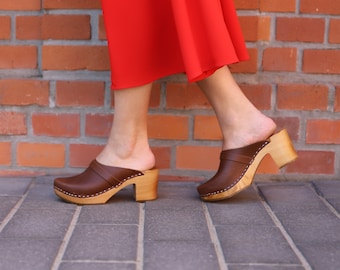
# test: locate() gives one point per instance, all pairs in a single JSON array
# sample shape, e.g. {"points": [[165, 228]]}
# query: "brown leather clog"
{"points": [[238, 166], [98, 183]]}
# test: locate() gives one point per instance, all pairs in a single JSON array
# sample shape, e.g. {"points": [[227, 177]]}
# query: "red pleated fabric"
{"points": [[150, 39]]}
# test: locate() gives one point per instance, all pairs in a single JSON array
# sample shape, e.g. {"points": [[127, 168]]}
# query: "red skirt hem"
{"points": [[149, 40]]}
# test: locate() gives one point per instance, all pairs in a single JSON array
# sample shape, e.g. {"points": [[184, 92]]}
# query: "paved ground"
{"points": [[279, 226]]}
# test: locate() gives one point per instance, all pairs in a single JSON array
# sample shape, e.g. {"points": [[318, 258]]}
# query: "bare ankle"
{"points": [[142, 159]]}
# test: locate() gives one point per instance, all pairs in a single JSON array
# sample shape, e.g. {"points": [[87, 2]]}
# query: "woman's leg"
{"points": [[127, 144], [125, 160], [240, 122], [246, 141]]}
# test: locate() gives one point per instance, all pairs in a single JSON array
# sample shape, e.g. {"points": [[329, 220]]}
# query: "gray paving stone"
{"points": [[175, 225], [310, 228], [176, 234], [6, 205], [245, 208], [300, 196], [103, 242], [118, 212], [14, 186], [182, 255], [96, 266], [27, 253], [324, 255], [255, 244], [38, 223], [265, 267], [307, 227], [42, 196], [330, 190], [176, 196]]}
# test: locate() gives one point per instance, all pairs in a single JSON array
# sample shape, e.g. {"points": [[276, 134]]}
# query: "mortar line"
{"points": [[101, 261], [283, 231], [325, 201], [16, 207], [214, 239], [66, 240], [140, 240]]}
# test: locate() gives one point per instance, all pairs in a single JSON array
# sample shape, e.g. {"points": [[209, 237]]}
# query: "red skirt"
{"points": [[150, 39]]}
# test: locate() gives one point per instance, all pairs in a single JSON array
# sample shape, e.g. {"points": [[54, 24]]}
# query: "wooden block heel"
{"points": [[281, 149], [145, 189], [238, 166], [98, 183]]}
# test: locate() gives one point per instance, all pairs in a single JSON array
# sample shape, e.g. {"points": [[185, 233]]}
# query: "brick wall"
{"points": [[56, 104]]}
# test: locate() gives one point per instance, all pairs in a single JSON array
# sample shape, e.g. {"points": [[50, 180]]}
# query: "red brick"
{"points": [[12, 123], [5, 153], [277, 5], [185, 96], [323, 131], [249, 66], [255, 27], [80, 93], [155, 98], [300, 29], [56, 125], [71, 27], [267, 166], [22, 92], [98, 125], [264, 28], [320, 7], [20, 5], [334, 30], [197, 157], [163, 157], [259, 94], [321, 61], [291, 124], [206, 128], [18, 57], [169, 127], [5, 30], [72, 4], [81, 155], [247, 4], [337, 100], [28, 27], [302, 97], [101, 28], [75, 58], [40, 155], [279, 59], [249, 25], [308, 162]]}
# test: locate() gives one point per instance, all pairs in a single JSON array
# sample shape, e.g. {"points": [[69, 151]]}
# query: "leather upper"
{"points": [[95, 180], [233, 165]]}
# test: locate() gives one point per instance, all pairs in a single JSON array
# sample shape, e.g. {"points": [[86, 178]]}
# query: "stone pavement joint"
{"points": [[284, 233], [271, 225], [214, 238]]}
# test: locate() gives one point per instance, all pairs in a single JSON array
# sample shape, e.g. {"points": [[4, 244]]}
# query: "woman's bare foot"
{"points": [[240, 121], [248, 132]]}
